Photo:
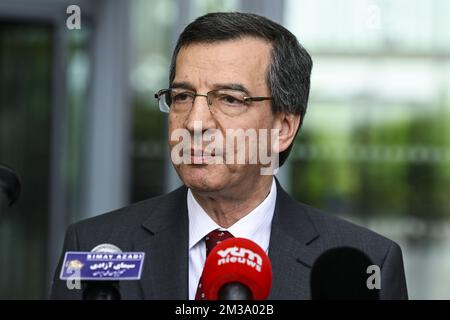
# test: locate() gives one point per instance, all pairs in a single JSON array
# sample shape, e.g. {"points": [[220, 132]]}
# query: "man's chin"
{"points": [[202, 178]]}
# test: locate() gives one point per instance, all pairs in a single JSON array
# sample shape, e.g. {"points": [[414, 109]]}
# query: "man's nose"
{"points": [[200, 112]]}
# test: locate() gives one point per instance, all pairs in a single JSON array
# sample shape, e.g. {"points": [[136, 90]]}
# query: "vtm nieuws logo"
{"points": [[240, 255]]}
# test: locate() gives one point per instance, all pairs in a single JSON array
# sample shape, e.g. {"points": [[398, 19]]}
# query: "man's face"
{"points": [[204, 67]]}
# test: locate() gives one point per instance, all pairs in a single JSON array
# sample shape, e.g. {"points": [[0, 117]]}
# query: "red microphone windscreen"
{"points": [[237, 260]]}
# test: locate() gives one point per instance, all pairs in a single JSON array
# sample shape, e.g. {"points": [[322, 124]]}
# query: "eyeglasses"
{"points": [[226, 101]]}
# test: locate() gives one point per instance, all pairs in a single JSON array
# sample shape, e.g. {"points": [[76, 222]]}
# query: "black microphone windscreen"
{"points": [[10, 184], [341, 274]]}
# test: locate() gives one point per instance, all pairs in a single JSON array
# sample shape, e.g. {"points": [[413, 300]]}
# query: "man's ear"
{"points": [[288, 124]]}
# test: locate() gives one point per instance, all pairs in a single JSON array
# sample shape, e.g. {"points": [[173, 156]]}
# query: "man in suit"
{"points": [[231, 71]]}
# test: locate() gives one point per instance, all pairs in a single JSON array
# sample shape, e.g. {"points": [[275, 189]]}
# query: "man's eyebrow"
{"points": [[231, 86], [182, 85], [216, 86]]}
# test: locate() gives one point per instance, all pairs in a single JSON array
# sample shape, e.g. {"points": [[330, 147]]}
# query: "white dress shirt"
{"points": [[255, 226]]}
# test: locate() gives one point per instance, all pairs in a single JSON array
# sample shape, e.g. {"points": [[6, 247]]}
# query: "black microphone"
{"points": [[342, 274], [102, 290], [9, 187]]}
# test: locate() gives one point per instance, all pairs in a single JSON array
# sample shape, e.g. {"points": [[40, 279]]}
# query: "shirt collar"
{"points": [[253, 226]]}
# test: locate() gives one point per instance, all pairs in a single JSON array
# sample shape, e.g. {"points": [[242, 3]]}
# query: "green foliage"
{"points": [[405, 169]]}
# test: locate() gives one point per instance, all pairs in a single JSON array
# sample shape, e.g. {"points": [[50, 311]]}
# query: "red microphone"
{"points": [[237, 269]]}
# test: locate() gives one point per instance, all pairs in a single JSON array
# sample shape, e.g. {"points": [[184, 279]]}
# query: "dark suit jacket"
{"points": [[159, 227]]}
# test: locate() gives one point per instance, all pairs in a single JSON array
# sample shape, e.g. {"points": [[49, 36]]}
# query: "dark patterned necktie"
{"points": [[211, 239]]}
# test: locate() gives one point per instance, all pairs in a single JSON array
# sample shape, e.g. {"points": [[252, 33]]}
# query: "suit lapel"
{"points": [[165, 274], [289, 251]]}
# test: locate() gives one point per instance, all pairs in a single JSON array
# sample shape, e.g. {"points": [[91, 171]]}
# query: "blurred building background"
{"points": [[79, 123]]}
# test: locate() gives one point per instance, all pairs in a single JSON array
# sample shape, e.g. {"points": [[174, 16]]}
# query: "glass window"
{"points": [[25, 109], [28, 60], [375, 146]]}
